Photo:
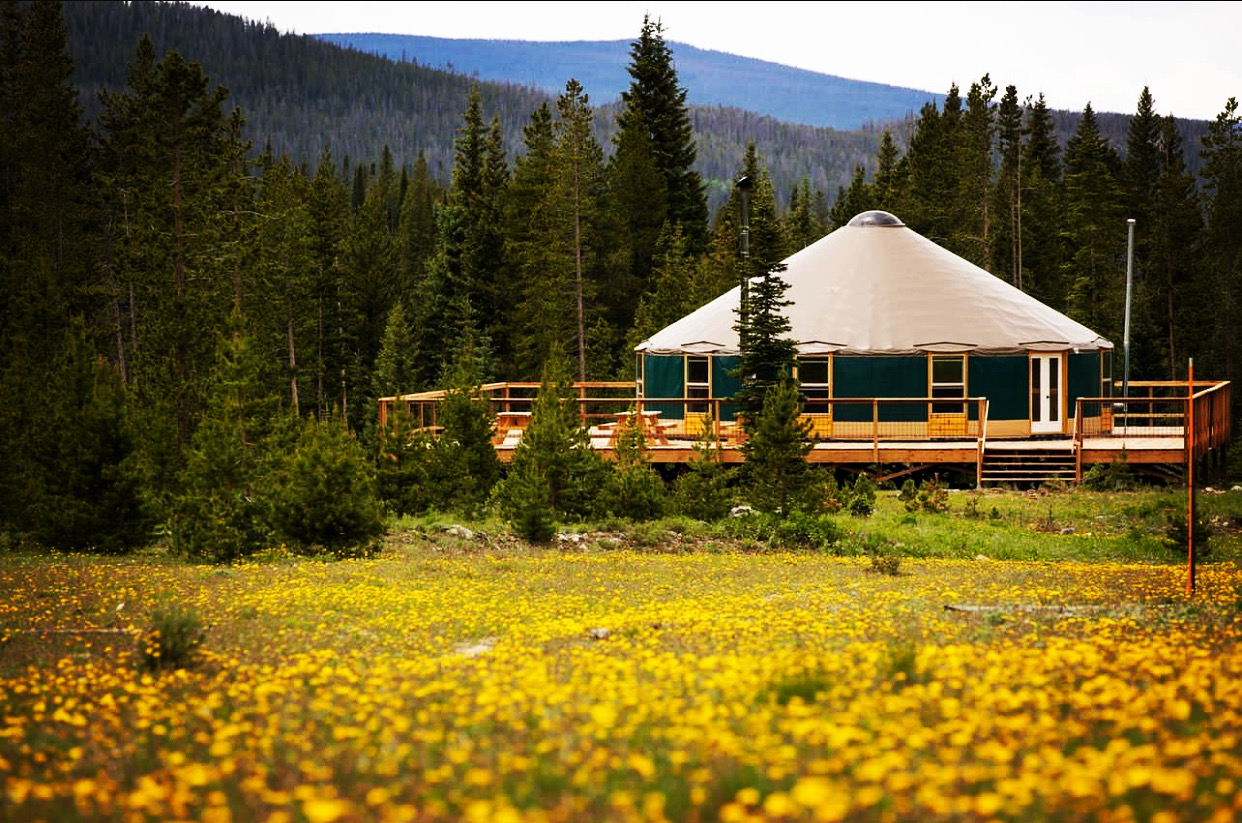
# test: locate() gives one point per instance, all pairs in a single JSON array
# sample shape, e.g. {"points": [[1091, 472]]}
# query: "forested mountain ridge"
{"points": [[711, 78], [300, 94]]}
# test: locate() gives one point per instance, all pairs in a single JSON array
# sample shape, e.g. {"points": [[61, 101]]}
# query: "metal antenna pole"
{"points": [[1125, 382], [744, 185]]}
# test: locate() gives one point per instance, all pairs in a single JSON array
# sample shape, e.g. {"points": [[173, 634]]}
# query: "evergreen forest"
{"points": [[194, 325]]}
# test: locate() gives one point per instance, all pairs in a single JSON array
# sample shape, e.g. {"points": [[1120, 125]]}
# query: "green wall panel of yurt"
{"points": [[665, 376], [725, 384], [1002, 380], [879, 377], [1084, 379]]}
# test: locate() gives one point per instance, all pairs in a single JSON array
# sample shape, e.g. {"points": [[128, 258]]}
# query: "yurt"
{"points": [[881, 313]]}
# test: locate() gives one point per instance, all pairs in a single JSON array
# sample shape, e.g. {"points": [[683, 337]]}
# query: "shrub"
{"points": [[862, 497], [526, 506], [1115, 476], [704, 490], [806, 531], [1177, 537], [173, 640], [886, 564], [909, 495], [933, 497], [326, 497], [631, 487]]}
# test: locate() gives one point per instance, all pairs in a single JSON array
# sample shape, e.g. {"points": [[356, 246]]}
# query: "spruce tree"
{"points": [[223, 511], [775, 472], [324, 497], [466, 458], [858, 198], [555, 451], [1094, 270], [1042, 243], [657, 97], [538, 248], [1176, 229], [1007, 192], [581, 162], [972, 222], [766, 353], [169, 180], [80, 489], [1221, 279]]}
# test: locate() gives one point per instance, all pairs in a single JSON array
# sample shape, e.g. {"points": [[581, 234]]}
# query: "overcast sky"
{"points": [[1188, 54]]}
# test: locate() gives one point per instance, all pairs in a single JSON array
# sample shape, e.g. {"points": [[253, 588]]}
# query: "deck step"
{"points": [[1028, 466]]}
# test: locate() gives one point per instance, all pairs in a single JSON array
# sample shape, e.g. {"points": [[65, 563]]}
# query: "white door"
{"points": [[1046, 403]]}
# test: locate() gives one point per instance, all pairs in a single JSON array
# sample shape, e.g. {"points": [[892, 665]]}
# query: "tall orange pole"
{"points": [[1189, 437]]}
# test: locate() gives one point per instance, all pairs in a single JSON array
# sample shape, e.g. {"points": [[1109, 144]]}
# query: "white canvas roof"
{"points": [[877, 287]]}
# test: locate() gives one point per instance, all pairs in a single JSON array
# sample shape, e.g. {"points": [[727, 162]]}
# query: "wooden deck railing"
{"points": [[1158, 409]]}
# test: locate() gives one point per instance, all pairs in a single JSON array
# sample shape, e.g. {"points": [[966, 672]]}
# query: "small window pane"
{"points": [[696, 370], [813, 372], [947, 370]]}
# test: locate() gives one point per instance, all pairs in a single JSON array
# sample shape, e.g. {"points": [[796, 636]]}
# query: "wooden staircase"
{"points": [[1029, 464]]}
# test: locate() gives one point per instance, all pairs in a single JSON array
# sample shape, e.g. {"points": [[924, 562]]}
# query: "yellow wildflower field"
{"points": [[530, 685]]}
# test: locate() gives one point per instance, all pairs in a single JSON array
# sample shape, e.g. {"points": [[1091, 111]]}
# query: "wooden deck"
{"points": [[894, 436]]}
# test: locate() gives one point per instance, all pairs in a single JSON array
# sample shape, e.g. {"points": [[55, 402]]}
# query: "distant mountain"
{"points": [[711, 78]]}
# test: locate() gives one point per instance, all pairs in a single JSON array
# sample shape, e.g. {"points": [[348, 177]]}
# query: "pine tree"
{"points": [[851, 202], [1007, 193], [464, 452], [639, 194], [47, 243], [416, 231], [325, 495], [223, 511], [536, 245], [283, 305], [802, 224], [1095, 227], [395, 367], [658, 98], [931, 205], [1141, 172], [888, 179], [719, 270], [464, 274], [1176, 229], [766, 355], [169, 182], [555, 451], [329, 213], [582, 184], [368, 260], [972, 229], [631, 487], [703, 491], [775, 473], [1042, 212], [675, 289], [79, 487], [1221, 280]]}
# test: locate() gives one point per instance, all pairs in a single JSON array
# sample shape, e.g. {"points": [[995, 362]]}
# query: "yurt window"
{"points": [[698, 383], [814, 378], [948, 380], [1106, 373]]}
